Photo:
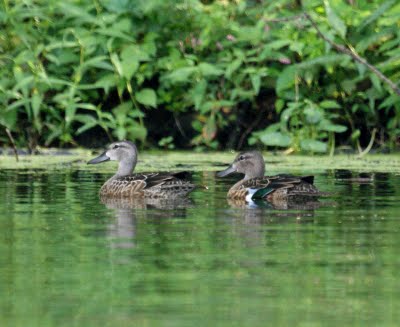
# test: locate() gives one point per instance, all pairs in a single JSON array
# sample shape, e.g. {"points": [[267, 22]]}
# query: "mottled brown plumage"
{"points": [[280, 186], [147, 184], [255, 185], [126, 184]]}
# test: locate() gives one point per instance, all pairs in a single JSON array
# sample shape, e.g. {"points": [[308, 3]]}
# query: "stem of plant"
{"points": [[13, 144], [352, 53], [130, 91], [332, 142], [371, 143]]}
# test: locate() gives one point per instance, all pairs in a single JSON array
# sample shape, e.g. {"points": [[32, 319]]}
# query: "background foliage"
{"points": [[209, 74]]}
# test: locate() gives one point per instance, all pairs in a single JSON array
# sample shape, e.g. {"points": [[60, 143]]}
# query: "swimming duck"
{"points": [[256, 186], [126, 184]]}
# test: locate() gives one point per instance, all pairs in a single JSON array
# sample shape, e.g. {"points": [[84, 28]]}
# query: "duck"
{"points": [[256, 186], [149, 185]]}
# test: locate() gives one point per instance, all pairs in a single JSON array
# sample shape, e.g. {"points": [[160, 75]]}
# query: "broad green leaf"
{"points": [[356, 135], [23, 83], [181, 74], [377, 13], [129, 67], [376, 82], [57, 81], [87, 106], [88, 123], [334, 20], [70, 110], [62, 44], [64, 56], [114, 33], [313, 115], [18, 103], [326, 125], [310, 75], [120, 132], [198, 92], [375, 39], [123, 109], [332, 59], [313, 145], [278, 44], [36, 102], [286, 79], [147, 97], [119, 6], [250, 34], [232, 67], [389, 101], [55, 132], [137, 132], [207, 69], [106, 82], [329, 104], [8, 118], [117, 64], [256, 82], [123, 24], [348, 85], [134, 52], [279, 105], [101, 64], [98, 62], [67, 8], [149, 44], [275, 139], [136, 113]]}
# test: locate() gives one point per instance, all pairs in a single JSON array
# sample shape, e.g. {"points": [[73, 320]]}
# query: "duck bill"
{"points": [[227, 171], [101, 158]]}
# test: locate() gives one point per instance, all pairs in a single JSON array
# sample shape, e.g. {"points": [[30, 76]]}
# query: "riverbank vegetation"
{"points": [[219, 74]]}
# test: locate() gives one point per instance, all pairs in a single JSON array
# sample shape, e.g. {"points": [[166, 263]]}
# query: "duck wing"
{"points": [[259, 188], [168, 184], [158, 184], [163, 178]]}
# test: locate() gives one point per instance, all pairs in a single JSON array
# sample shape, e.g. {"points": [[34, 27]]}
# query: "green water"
{"points": [[66, 259]]}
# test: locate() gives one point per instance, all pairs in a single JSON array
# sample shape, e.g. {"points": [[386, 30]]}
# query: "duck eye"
{"points": [[241, 158], [116, 146]]}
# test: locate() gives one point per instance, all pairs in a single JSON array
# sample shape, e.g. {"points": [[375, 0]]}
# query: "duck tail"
{"points": [[308, 179]]}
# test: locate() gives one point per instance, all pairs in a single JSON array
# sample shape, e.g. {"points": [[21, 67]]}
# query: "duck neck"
{"points": [[257, 172], [126, 167]]}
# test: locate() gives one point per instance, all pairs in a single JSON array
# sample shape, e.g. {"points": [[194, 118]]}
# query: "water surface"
{"points": [[66, 259]]}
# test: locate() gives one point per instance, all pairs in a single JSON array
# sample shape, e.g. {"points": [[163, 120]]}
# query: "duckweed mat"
{"points": [[185, 160]]}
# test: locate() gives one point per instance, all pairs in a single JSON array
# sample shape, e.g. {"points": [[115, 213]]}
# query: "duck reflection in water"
{"points": [[263, 212], [291, 203], [129, 210]]}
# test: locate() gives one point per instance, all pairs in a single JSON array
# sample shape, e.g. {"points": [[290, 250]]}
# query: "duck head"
{"points": [[249, 163], [124, 152]]}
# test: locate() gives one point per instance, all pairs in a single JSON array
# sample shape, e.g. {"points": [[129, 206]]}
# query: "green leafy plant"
{"points": [[72, 70]]}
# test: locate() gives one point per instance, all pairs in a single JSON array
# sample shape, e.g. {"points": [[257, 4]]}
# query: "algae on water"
{"points": [[211, 161]]}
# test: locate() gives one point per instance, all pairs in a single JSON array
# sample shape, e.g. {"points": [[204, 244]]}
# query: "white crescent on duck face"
{"points": [[255, 185], [126, 184]]}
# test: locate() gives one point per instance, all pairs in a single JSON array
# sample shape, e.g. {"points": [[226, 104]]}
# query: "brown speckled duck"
{"points": [[256, 186], [126, 184]]}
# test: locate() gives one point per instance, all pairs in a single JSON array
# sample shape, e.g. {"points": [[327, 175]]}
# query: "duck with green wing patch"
{"points": [[126, 184], [256, 186]]}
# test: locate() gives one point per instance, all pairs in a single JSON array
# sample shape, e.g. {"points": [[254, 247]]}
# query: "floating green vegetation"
{"points": [[180, 160]]}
